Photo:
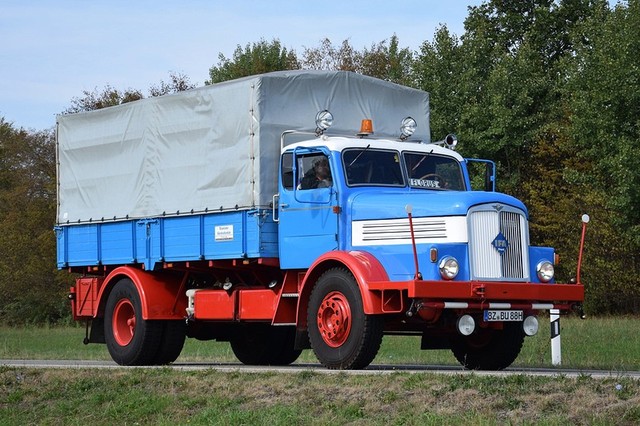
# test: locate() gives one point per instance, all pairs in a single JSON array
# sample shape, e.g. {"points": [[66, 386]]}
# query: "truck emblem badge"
{"points": [[500, 243], [498, 207]]}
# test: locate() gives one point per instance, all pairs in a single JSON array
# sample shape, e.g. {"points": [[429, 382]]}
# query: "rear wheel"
{"points": [[341, 334], [130, 339], [489, 349], [172, 342], [263, 344]]}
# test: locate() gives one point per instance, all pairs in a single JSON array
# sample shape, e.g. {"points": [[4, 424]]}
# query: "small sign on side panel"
{"points": [[223, 233]]}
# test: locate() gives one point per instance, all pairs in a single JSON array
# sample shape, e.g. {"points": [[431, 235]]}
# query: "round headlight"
{"points": [[449, 267], [408, 127], [324, 120], [545, 271], [466, 325], [530, 325]]}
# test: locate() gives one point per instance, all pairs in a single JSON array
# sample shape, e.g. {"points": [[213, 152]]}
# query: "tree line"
{"points": [[549, 90]]}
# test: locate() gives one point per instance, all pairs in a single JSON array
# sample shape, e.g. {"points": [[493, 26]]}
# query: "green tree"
{"points": [[110, 96], [388, 62], [603, 92], [512, 77], [31, 291], [104, 98], [437, 69], [256, 58], [328, 57], [384, 60], [178, 82]]}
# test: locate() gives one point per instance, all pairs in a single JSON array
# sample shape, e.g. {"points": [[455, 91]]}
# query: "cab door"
{"points": [[308, 224]]}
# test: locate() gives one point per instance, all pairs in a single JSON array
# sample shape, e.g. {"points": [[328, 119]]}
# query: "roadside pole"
{"points": [[556, 350]]}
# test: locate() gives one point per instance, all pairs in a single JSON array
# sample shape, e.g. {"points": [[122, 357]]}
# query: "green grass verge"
{"points": [[611, 343], [168, 397], [163, 396]]}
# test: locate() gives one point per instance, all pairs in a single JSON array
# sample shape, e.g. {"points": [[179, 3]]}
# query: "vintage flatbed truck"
{"points": [[225, 212]]}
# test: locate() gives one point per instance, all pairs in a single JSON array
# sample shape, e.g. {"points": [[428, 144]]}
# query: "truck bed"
{"points": [[242, 234]]}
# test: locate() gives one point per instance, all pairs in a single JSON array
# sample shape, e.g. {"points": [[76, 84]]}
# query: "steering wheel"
{"points": [[431, 176]]}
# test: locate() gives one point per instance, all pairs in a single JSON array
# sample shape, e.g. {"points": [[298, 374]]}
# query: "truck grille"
{"points": [[498, 242]]}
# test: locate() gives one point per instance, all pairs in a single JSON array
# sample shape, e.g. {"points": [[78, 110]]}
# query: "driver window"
{"points": [[314, 171], [287, 171]]}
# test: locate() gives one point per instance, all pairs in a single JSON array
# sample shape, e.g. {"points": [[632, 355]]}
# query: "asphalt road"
{"points": [[317, 368]]}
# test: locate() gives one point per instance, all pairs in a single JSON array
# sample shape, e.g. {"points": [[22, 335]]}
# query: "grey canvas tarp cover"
{"points": [[214, 147]]}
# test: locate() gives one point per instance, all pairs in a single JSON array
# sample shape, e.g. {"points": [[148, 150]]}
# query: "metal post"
{"points": [[556, 350], [418, 276]]}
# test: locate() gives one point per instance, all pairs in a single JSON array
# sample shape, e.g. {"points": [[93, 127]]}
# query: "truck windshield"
{"points": [[431, 171], [366, 166]]}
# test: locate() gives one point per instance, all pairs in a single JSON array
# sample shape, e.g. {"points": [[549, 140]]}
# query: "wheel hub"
{"points": [[124, 322], [334, 319]]}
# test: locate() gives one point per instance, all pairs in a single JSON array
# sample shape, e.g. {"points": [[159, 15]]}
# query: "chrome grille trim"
{"points": [[486, 222], [449, 229]]}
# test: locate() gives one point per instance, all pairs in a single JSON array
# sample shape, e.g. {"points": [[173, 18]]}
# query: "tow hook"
{"points": [[479, 289], [414, 308]]}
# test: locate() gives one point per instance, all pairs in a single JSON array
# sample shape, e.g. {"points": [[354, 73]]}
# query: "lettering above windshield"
{"points": [[429, 171]]}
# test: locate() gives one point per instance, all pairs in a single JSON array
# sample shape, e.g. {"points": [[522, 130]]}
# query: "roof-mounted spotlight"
{"points": [[407, 128], [324, 120]]}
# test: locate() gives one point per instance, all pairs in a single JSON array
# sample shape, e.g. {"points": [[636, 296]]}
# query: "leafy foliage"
{"points": [[328, 57], [550, 90], [110, 96], [178, 83], [30, 288], [258, 58], [383, 60], [107, 97]]}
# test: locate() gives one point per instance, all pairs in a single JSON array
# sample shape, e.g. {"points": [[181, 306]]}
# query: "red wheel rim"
{"points": [[124, 322], [334, 319]]}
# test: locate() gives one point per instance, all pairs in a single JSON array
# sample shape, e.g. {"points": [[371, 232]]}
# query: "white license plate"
{"points": [[494, 315]]}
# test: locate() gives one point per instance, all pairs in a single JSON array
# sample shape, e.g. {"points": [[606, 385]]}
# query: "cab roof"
{"points": [[340, 143]]}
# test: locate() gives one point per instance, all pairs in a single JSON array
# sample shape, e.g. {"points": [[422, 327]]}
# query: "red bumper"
{"points": [[486, 292]]}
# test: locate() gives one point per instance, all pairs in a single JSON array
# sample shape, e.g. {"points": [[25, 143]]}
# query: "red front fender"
{"points": [[365, 269]]}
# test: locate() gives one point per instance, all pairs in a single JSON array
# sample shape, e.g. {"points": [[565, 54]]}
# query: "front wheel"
{"points": [[341, 334], [489, 349]]}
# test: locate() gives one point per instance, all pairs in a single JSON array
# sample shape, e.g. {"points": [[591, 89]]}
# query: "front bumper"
{"points": [[488, 294]]}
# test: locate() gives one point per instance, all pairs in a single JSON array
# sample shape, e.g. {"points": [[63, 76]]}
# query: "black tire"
{"points": [[172, 342], [489, 349], [130, 339], [341, 334], [262, 344], [287, 354]]}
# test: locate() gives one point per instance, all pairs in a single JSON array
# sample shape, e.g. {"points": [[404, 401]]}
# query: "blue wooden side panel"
{"points": [[212, 236], [117, 242]]}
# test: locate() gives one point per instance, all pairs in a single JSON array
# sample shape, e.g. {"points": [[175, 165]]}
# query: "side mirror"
{"points": [[482, 174]]}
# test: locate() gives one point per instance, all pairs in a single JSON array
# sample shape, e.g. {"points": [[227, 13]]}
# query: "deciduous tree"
{"points": [[31, 291], [256, 58]]}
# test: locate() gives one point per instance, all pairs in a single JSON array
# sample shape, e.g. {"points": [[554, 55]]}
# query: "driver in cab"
{"points": [[319, 176]]}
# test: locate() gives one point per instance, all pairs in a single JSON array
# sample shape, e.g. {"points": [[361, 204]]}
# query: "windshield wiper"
{"points": [[423, 158], [359, 154]]}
